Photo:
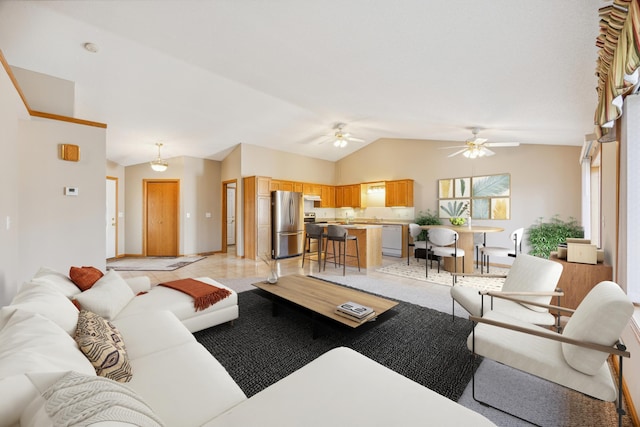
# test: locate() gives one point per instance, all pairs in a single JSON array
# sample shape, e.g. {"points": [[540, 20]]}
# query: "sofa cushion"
{"points": [[30, 342], [181, 304], [84, 277], [57, 280], [107, 297], [102, 344], [76, 399], [142, 332], [38, 297], [185, 385], [600, 318], [16, 391]]}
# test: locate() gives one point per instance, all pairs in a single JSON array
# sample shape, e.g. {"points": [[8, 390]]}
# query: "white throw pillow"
{"points": [[57, 280], [30, 342], [107, 297], [78, 399], [41, 298], [600, 319]]}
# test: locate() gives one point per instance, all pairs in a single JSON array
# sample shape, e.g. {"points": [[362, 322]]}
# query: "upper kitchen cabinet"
{"points": [[399, 193], [327, 197], [278, 184], [348, 196], [312, 189]]}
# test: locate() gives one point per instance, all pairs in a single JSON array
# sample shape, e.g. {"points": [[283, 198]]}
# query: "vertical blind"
{"points": [[618, 60]]}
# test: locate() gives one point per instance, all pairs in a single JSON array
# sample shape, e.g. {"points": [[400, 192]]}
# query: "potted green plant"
{"points": [[544, 237], [426, 218]]}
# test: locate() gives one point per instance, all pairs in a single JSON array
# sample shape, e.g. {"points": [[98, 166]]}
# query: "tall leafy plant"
{"points": [[426, 218], [544, 237]]}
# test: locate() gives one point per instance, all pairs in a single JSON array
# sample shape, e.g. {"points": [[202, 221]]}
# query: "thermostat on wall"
{"points": [[70, 191]]}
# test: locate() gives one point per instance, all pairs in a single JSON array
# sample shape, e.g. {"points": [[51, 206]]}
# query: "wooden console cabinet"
{"points": [[578, 279]]}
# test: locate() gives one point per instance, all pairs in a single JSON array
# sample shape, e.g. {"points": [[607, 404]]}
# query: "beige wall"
{"points": [[199, 194], [46, 93], [545, 179], [61, 231], [262, 161], [12, 111]]}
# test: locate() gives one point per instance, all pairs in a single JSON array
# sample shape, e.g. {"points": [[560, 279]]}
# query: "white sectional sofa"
{"points": [[175, 381]]}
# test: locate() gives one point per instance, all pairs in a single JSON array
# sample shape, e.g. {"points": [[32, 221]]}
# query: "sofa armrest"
{"points": [[139, 284]]}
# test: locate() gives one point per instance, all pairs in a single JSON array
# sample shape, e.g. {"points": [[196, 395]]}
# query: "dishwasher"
{"points": [[392, 240]]}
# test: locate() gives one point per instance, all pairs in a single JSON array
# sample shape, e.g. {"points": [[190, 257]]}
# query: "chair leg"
{"points": [[358, 254], [304, 250], [343, 249], [326, 246]]}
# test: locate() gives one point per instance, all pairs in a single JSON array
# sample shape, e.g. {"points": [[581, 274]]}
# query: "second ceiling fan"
{"points": [[479, 147]]}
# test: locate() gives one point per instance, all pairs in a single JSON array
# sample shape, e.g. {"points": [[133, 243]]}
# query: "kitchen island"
{"points": [[369, 244]]}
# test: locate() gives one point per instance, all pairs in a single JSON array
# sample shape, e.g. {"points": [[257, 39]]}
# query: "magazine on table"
{"points": [[356, 310]]}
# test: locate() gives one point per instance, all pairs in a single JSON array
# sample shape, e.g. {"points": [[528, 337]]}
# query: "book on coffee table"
{"points": [[356, 310], [366, 318]]}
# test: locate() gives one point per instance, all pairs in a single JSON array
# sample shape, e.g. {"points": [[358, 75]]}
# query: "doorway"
{"points": [[161, 199], [229, 206], [111, 218]]}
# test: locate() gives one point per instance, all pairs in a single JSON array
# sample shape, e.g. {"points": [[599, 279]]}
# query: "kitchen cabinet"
{"points": [[327, 196], [278, 184], [257, 216], [399, 193], [312, 189], [348, 196]]}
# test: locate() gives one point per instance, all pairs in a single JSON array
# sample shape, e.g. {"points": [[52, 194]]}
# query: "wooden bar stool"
{"points": [[336, 233], [313, 231]]}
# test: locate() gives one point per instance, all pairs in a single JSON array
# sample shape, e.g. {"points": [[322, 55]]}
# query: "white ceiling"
{"points": [[202, 76]]}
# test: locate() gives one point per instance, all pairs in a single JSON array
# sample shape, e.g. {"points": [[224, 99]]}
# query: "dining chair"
{"points": [[575, 358], [487, 251], [530, 278], [414, 231], [443, 242]]}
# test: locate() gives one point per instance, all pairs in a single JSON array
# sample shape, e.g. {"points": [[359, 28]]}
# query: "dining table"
{"points": [[465, 242]]}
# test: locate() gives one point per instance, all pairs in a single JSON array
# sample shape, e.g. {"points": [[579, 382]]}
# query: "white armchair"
{"points": [[576, 359], [531, 278]]}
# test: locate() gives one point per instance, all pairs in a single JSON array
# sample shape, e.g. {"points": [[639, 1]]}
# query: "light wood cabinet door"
{"points": [[298, 187], [399, 193], [257, 216], [339, 196], [312, 189], [328, 196]]}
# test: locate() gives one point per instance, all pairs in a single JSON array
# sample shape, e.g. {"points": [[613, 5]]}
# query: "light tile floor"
{"points": [[231, 266]]}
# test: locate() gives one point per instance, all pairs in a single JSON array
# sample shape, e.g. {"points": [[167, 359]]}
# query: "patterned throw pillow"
{"points": [[84, 277], [102, 344]]}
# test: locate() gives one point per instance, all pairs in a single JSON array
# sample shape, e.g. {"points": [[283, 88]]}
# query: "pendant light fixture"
{"points": [[158, 164]]}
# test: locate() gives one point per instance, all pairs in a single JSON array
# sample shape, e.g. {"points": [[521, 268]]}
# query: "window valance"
{"points": [[618, 60]]}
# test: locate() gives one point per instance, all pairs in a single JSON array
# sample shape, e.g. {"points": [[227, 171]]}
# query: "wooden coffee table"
{"points": [[321, 298]]}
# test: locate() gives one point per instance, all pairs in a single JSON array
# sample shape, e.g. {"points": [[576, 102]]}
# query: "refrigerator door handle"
{"points": [[293, 233]]}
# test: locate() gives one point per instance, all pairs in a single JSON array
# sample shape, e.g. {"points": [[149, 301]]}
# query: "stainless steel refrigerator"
{"points": [[287, 225]]}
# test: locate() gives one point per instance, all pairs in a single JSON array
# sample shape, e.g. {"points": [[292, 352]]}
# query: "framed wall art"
{"points": [[480, 197]]}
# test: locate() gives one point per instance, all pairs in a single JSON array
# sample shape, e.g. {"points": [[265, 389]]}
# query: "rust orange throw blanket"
{"points": [[204, 295]]}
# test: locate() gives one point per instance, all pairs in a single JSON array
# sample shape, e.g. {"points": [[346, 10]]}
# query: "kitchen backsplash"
{"points": [[403, 214]]}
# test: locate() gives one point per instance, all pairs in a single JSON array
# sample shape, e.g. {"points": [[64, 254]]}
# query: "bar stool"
{"points": [[313, 231], [336, 233]]}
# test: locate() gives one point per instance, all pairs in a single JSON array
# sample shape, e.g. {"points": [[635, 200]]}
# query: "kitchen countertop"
{"points": [[354, 226]]}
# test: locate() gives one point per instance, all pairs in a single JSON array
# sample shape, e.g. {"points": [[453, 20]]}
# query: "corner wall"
{"points": [[60, 231]]}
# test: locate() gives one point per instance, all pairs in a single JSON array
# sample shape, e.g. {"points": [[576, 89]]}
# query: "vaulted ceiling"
{"points": [[202, 76]]}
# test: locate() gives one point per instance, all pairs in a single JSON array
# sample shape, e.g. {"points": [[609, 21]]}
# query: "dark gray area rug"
{"points": [[422, 344]]}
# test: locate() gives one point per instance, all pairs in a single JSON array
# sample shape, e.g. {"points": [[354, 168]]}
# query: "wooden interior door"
{"points": [[161, 217]]}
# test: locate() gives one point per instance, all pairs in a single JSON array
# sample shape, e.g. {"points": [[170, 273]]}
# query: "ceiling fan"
{"points": [[479, 147], [342, 138]]}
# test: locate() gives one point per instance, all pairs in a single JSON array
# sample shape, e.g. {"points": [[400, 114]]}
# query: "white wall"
{"points": [[60, 231], [12, 110]]}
